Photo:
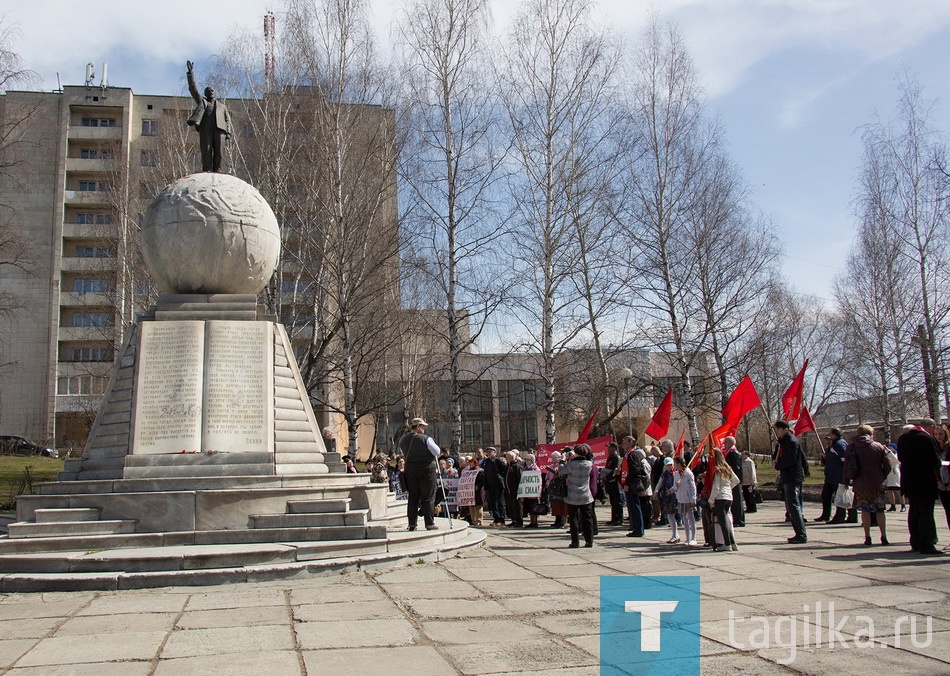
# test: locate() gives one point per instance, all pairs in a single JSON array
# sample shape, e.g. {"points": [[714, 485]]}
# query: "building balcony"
{"points": [[70, 334], [73, 264], [90, 166], [79, 132], [77, 403], [92, 300], [90, 198], [92, 232], [65, 369]]}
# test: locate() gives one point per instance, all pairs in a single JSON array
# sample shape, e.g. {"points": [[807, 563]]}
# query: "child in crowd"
{"points": [[685, 489], [665, 490]]}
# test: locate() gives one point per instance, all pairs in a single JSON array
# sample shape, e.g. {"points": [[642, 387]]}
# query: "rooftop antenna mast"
{"points": [[269, 49]]}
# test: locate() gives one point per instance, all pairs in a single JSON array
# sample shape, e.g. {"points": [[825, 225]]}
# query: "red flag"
{"points": [[792, 399], [587, 428], [679, 445], [742, 400], [710, 471], [698, 454], [720, 433], [805, 422], [660, 424]]}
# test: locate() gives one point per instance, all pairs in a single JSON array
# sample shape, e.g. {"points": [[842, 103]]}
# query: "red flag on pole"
{"points": [[588, 427], [660, 424], [679, 445], [699, 453], [720, 433], [710, 471], [742, 400], [792, 399], [805, 422]]}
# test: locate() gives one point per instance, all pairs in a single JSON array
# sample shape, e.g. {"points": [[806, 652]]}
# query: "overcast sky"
{"points": [[793, 81]]}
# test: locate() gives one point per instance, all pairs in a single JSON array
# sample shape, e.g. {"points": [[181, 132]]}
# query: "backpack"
{"points": [[636, 471]]}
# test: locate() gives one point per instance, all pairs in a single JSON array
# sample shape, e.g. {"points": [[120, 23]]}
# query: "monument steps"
{"points": [[298, 458], [312, 559], [70, 528], [321, 506], [355, 517], [74, 514]]}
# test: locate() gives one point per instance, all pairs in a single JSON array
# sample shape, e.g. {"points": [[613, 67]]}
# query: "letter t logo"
{"points": [[650, 612]]}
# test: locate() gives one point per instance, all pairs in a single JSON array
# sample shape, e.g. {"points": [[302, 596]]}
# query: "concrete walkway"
{"points": [[524, 604]]}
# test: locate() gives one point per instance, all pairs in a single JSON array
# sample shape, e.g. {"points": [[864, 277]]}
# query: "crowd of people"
{"points": [[657, 487]]}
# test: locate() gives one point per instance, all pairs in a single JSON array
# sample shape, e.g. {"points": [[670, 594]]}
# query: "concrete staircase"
{"points": [[72, 548], [64, 523]]}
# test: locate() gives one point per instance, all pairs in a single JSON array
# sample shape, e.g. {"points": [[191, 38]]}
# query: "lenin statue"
{"points": [[212, 121]]}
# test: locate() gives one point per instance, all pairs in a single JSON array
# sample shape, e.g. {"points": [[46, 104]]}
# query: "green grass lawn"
{"points": [[13, 474]]}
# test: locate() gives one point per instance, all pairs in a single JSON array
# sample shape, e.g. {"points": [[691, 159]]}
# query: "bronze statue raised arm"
{"points": [[212, 121]]}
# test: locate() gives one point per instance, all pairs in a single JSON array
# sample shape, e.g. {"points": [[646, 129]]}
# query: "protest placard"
{"points": [[530, 486], [465, 491]]}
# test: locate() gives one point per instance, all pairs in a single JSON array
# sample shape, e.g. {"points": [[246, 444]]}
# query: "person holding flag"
{"points": [[734, 460]]}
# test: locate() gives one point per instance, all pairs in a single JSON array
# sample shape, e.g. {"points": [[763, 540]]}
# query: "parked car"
{"points": [[12, 444]]}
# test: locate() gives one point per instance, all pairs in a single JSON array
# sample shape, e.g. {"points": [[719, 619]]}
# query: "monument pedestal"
{"points": [[205, 386]]}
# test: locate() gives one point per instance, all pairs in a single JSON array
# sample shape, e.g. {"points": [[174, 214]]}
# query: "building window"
{"points": [[91, 354], [147, 191], [295, 286], [98, 122], [296, 319], [93, 219], [84, 319], [148, 158], [94, 186], [82, 286], [149, 127], [96, 154], [94, 252], [517, 403], [87, 385]]}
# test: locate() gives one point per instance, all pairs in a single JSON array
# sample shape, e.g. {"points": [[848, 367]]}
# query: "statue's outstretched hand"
{"points": [[190, 65]]}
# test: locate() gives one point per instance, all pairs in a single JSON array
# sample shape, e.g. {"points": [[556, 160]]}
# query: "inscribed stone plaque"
{"points": [[169, 388], [239, 387]]}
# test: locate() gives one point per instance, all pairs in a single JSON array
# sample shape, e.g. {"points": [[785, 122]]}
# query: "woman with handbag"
{"points": [[866, 463], [531, 506]]}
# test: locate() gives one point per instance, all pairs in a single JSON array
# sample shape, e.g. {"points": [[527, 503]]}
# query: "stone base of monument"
{"points": [[196, 531]]}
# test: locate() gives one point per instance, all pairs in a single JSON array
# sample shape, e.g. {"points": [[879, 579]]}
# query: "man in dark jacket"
{"points": [[420, 452], [920, 462], [495, 488], [734, 460], [789, 461], [834, 475], [512, 480]]}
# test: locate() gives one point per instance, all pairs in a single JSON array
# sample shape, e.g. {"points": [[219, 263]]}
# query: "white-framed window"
{"points": [[82, 286], [87, 385], [149, 127], [94, 252], [148, 158], [87, 218], [84, 319], [98, 122], [94, 186], [91, 354]]}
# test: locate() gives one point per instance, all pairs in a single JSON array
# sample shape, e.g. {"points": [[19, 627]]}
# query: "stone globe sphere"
{"points": [[210, 233]]}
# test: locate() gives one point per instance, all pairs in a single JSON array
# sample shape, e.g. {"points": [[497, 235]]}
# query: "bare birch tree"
{"points": [[668, 174], [904, 187], [556, 82], [451, 167]]}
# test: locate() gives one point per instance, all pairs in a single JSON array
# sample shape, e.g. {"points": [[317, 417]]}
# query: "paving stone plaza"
{"points": [[522, 604]]}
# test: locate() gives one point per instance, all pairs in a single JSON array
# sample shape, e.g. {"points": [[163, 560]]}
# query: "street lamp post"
{"points": [[626, 374]]}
